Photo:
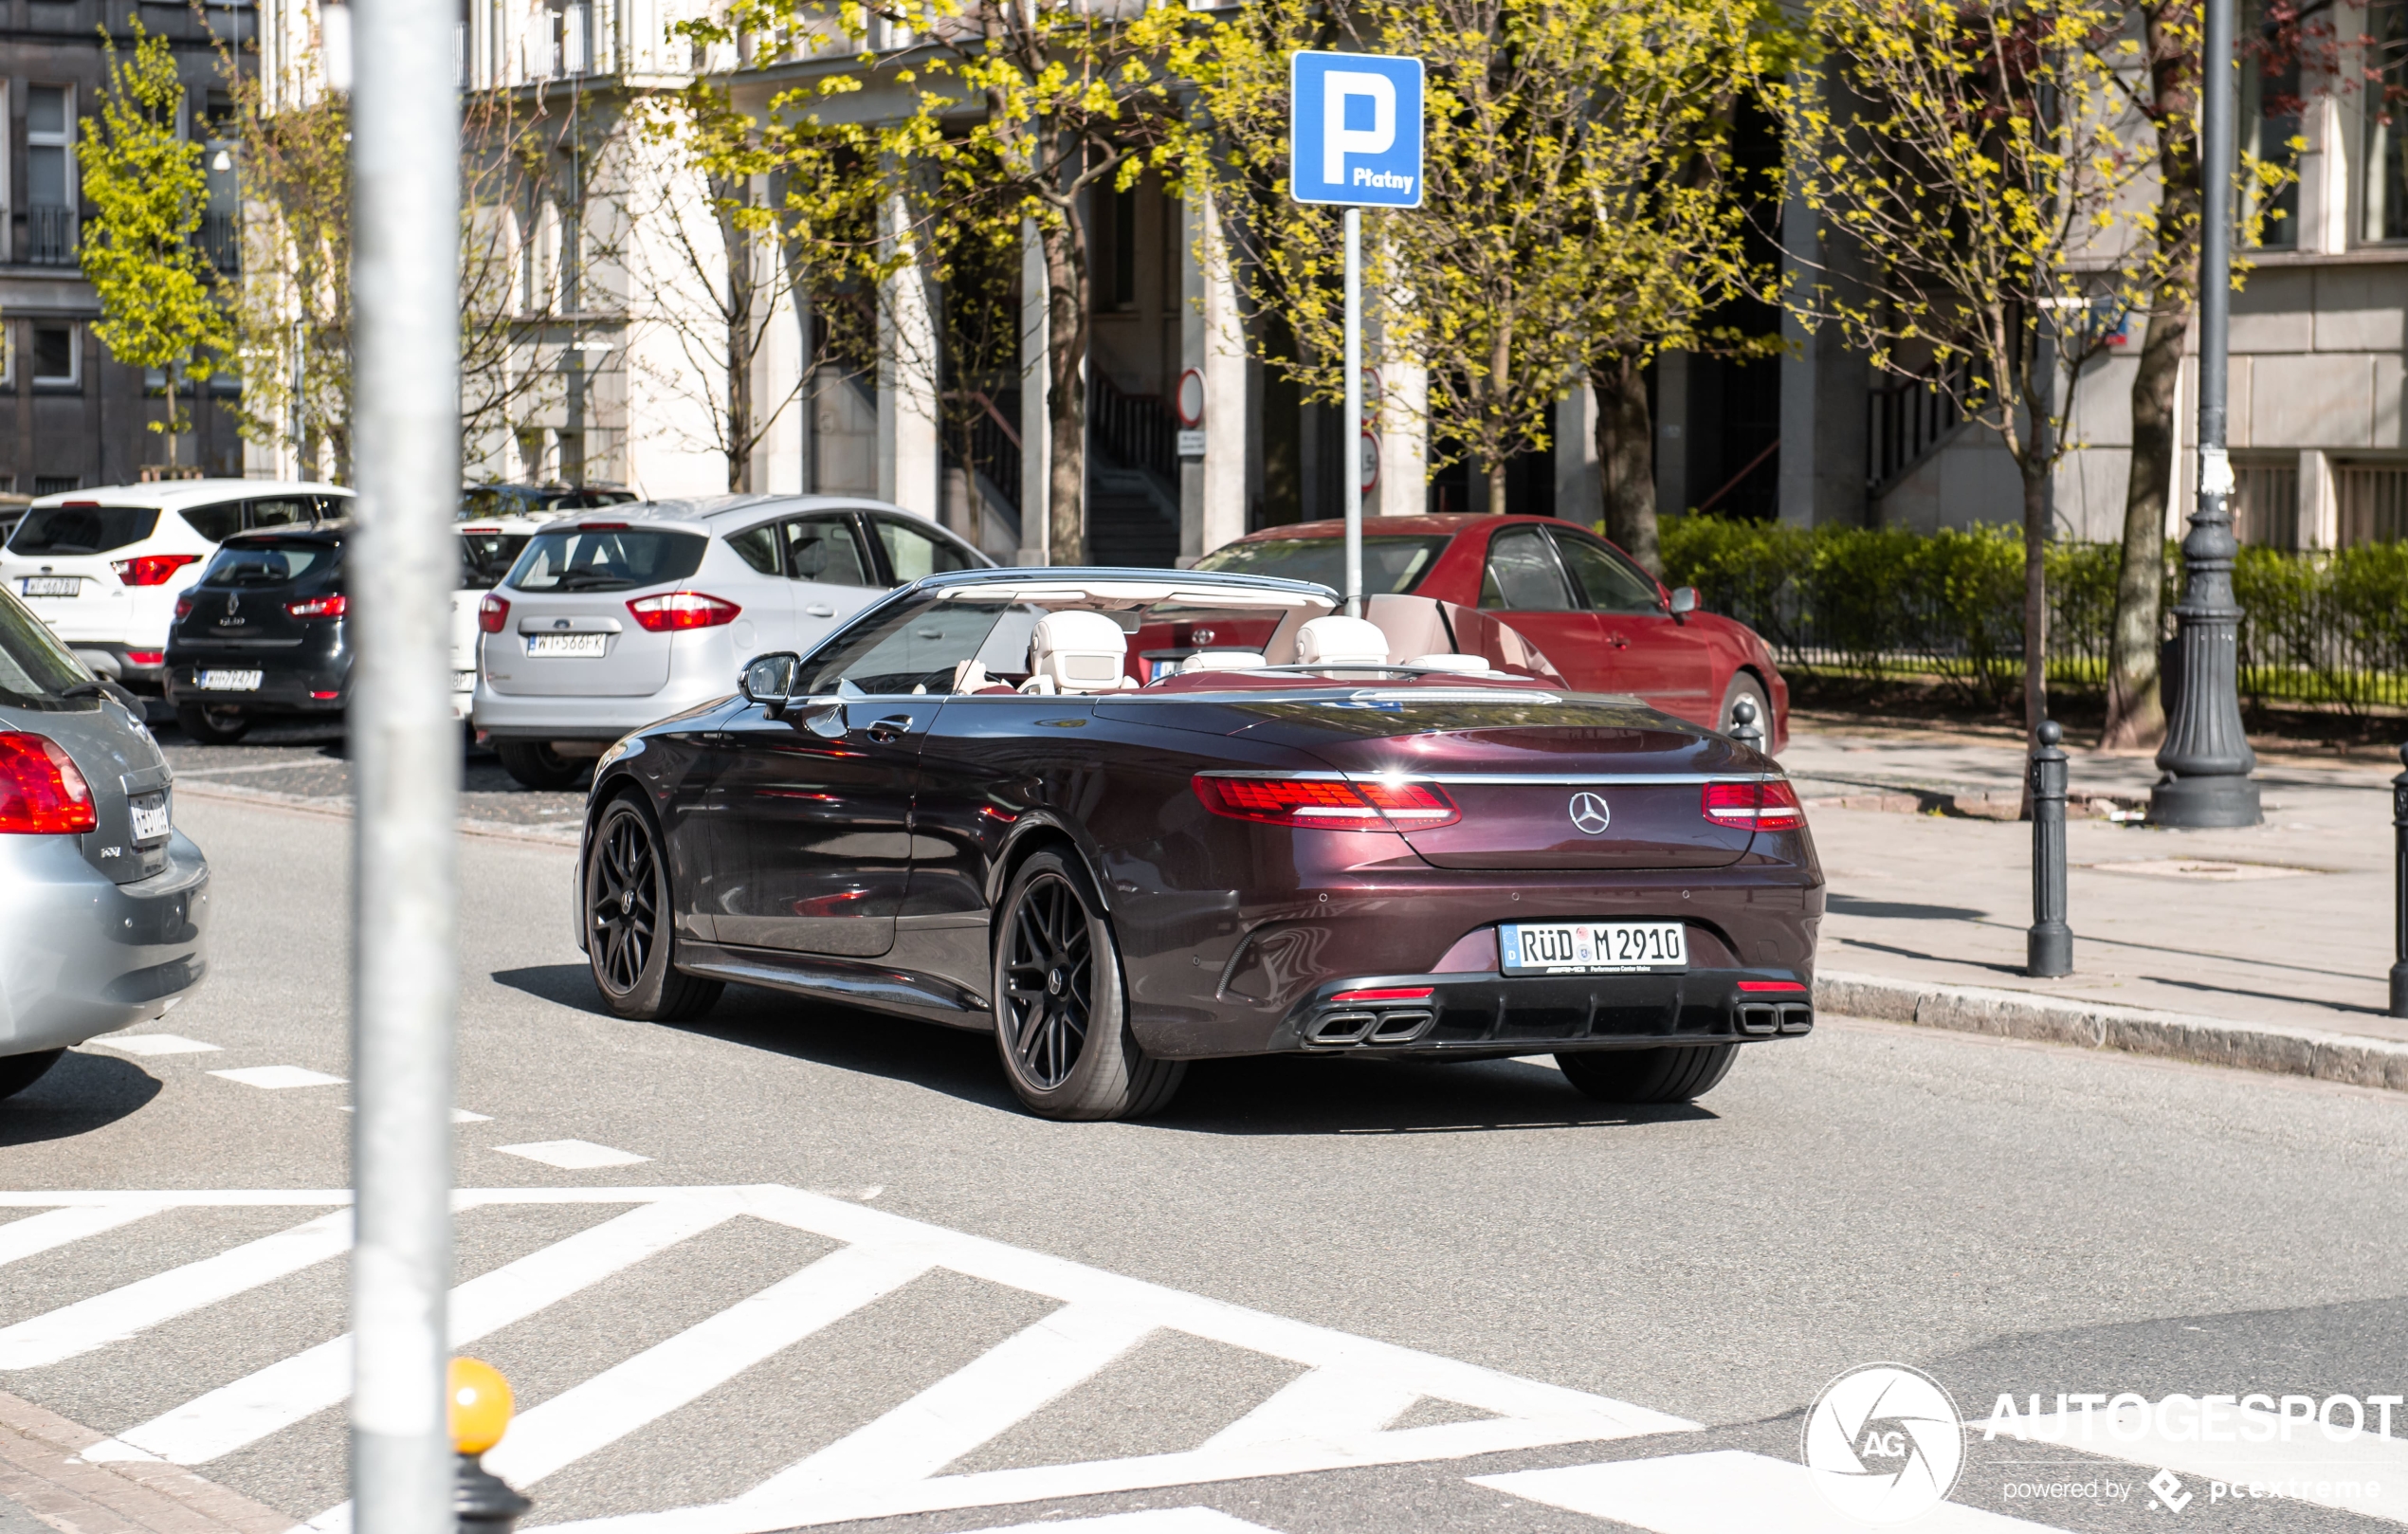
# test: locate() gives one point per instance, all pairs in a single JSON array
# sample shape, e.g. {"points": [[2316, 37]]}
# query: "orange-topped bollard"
{"points": [[479, 1401]]}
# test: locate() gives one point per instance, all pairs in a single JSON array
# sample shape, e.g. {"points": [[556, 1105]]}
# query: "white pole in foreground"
{"points": [[404, 751], [1351, 453]]}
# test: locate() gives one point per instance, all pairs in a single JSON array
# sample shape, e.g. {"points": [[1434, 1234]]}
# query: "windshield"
{"points": [[82, 529], [485, 557], [34, 667], [268, 564], [1390, 564], [582, 559]]}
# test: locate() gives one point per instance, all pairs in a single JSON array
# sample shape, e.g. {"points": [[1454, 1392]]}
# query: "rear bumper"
{"points": [[116, 662], [502, 715], [289, 681], [1496, 1014], [80, 956]]}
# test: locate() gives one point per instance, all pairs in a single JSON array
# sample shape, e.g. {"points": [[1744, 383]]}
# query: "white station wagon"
{"points": [[616, 617]]}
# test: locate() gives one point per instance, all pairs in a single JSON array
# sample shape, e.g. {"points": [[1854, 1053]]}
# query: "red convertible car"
{"points": [[1606, 623], [1125, 819]]}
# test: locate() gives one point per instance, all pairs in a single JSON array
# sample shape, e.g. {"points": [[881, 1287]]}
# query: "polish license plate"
{"points": [[227, 680], [587, 645], [1593, 947], [150, 818], [463, 680], [52, 585]]}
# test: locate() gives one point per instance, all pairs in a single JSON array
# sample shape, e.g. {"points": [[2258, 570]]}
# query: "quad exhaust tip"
{"points": [[1386, 1027], [1762, 1019]]}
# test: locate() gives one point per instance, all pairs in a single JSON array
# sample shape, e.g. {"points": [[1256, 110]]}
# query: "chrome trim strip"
{"points": [[1507, 779]]}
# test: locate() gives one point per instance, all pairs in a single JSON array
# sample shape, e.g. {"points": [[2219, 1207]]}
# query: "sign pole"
{"points": [[1354, 411]]}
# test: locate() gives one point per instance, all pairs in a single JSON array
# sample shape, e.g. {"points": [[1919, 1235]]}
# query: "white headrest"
{"points": [[1222, 660], [1079, 652], [1336, 639], [1466, 664]]}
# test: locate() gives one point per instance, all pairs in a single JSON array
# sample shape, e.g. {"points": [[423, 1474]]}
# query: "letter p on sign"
{"points": [[1354, 129]]}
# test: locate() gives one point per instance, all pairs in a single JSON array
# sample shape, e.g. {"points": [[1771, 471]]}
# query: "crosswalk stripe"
{"points": [[122, 1312], [1328, 1400], [967, 1408], [1152, 1521], [37, 1234], [1723, 1491], [281, 1395], [681, 1369]]}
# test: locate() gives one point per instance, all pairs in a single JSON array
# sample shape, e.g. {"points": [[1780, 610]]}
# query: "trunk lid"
{"points": [[623, 660]]}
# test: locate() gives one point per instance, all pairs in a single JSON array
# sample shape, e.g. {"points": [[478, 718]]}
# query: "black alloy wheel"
{"points": [[630, 935], [1674, 1075], [213, 724], [1061, 1013]]}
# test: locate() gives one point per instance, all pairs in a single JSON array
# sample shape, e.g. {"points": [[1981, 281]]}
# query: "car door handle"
{"points": [[890, 729], [1618, 641], [820, 610]]}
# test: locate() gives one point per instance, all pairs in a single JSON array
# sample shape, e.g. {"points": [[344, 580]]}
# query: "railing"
{"points": [[1139, 430], [49, 236], [1907, 419], [221, 240], [994, 449]]}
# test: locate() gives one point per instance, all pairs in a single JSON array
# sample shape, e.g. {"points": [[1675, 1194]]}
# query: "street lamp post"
{"points": [[2206, 756]]}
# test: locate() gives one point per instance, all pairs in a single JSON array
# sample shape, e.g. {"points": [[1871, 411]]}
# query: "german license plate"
{"points": [[149, 817], [52, 585], [227, 680], [1591, 947], [587, 645]]}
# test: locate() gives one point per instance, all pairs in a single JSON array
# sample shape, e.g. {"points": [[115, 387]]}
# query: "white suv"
{"points": [[103, 567], [488, 547], [616, 617]]}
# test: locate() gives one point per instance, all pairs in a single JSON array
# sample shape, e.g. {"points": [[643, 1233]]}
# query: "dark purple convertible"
{"points": [[1127, 819]]}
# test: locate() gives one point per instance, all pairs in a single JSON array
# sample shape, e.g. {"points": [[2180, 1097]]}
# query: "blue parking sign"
{"points": [[1354, 129]]}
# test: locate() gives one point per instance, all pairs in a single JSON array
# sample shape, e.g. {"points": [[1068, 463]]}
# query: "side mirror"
{"points": [[1684, 602], [769, 679]]}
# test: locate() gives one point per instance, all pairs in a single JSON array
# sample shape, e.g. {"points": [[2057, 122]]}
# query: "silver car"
{"points": [[104, 903]]}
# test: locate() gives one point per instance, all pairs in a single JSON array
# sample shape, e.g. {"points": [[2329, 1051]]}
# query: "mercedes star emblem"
{"points": [[1590, 814]]}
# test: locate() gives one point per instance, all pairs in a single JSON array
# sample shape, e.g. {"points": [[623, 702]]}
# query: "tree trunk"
{"points": [[2136, 712], [1497, 474], [738, 246], [1625, 457], [1065, 271]]}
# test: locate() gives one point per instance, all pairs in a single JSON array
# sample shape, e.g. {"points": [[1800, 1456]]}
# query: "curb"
{"points": [[2352, 1059], [562, 833]]}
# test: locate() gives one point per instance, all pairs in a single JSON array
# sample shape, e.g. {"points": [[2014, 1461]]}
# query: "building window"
{"points": [[56, 484], [7, 357], [2386, 94], [2266, 500], [2271, 108], [49, 124], [55, 359], [2372, 500]]}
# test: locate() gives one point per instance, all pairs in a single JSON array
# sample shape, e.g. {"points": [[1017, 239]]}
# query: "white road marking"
{"points": [[277, 1078], [1728, 1492], [573, 1154], [458, 1115], [120, 1313], [56, 1228], [1324, 1400], [2366, 1474], [1153, 1521], [281, 1395], [154, 1044]]}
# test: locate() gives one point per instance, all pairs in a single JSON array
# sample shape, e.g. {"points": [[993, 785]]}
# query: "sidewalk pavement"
{"points": [[2268, 947], [45, 1485]]}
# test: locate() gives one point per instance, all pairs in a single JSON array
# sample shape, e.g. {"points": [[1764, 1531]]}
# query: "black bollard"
{"points": [[2049, 947], [482, 1502], [2400, 890], [1744, 726]]}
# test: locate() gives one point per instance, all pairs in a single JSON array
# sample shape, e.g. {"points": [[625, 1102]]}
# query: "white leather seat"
{"points": [[1467, 665], [1336, 639], [1077, 652], [1222, 660]]}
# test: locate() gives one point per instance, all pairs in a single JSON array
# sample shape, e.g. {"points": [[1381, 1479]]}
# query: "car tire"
{"points": [[19, 1071], [220, 726], [1061, 1024], [1745, 685], [1676, 1074], [630, 934], [536, 765]]}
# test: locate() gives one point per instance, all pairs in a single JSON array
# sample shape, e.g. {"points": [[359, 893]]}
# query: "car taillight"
{"points": [[183, 607], [1767, 805], [146, 657], [151, 569], [1330, 803], [317, 606], [493, 612], [681, 609], [40, 790]]}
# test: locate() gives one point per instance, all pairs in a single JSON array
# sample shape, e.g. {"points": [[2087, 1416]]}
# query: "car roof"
{"points": [[175, 495], [1444, 524], [333, 532], [512, 522], [708, 514], [1041, 575]]}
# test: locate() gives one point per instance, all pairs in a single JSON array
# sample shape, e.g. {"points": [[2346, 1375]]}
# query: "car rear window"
{"points": [[604, 559], [277, 563], [1390, 564], [485, 557], [82, 529], [34, 667], [217, 523]]}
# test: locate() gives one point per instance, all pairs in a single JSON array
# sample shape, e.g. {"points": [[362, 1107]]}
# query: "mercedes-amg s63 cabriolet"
{"points": [[1127, 819]]}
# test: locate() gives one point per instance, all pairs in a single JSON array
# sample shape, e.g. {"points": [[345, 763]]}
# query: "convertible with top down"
{"points": [[1127, 819]]}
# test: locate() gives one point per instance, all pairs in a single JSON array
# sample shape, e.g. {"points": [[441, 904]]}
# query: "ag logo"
{"points": [[1590, 814], [1884, 1443]]}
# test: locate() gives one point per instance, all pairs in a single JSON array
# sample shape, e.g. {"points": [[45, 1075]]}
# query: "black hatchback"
{"points": [[264, 632]]}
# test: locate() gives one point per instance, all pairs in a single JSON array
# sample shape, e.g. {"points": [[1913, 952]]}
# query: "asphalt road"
{"points": [[2010, 1218]]}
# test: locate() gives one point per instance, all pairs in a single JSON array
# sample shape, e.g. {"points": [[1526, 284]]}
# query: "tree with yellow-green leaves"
{"points": [[1975, 155], [1580, 210], [160, 307]]}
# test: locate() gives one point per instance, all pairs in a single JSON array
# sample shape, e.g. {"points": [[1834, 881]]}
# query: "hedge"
{"points": [[2326, 627]]}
